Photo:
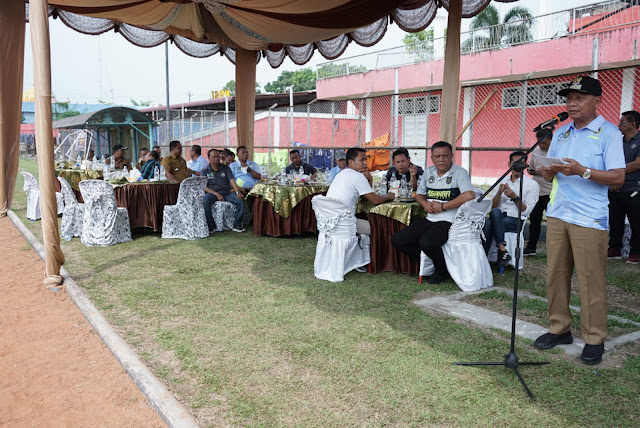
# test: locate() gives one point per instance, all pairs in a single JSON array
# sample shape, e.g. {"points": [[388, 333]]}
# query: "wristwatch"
{"points": [[586, 174]]}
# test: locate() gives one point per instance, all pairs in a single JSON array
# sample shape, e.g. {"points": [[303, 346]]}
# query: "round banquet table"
{"points": [[385, 220], [284, 210]]}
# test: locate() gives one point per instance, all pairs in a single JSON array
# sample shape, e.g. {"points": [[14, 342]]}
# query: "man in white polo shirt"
{"points": [[443, 188], [351, 183]]}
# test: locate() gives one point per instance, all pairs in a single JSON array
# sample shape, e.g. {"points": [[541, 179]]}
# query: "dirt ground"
{"points": [[54, 369]]}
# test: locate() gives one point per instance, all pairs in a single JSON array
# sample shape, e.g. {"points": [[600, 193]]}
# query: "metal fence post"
{"points": [[523, 111], [308, 130], [333, 129]]}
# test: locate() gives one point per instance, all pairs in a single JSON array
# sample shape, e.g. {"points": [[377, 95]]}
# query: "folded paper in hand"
{"points": [[547, 162]]}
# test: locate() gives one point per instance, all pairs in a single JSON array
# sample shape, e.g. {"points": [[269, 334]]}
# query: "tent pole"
{"points": [[451, 83], [12, 28], [245, 97], [39, 27]]}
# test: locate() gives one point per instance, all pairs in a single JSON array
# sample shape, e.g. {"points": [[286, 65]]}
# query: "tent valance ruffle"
{"points": [[276, 28]]}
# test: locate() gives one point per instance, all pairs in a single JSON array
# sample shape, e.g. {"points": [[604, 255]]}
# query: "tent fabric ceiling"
{"points": [[274, 28]]}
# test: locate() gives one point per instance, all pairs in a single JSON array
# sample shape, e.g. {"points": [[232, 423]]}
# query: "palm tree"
{"points": [[515, 29]]}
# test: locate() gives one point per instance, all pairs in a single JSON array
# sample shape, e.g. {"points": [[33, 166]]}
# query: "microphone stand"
{"points": [[511, 359]]}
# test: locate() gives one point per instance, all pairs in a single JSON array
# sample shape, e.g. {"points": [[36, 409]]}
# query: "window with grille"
{"points": [[419, 105], [537, 96]]}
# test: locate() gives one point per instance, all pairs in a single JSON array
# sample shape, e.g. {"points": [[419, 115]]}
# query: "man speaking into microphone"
{"points": [[577, 217]]}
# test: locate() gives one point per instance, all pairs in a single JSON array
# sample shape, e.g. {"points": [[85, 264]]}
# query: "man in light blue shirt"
{"points": [[341, 163], [197, 162], [577, 217], [246, 172]]}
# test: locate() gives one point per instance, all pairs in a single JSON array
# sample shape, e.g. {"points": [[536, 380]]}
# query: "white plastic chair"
{"points": [[186, 219], [463, 252], [103, 223], [72, 214], [32, 189], [340, 249]]}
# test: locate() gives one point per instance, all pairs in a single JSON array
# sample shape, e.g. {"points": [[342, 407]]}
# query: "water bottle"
{"points": [[301, 170], [403, 188], [125, 171], [156, 174], [78, 161], [393, 183], [383, 185], [263, 172], [112, 162], [283, 176]]}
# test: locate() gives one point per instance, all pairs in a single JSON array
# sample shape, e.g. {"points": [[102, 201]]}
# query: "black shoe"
{"points": [[550, 340], [592, 354], [437, 278], [503, 258], [529, 252]]}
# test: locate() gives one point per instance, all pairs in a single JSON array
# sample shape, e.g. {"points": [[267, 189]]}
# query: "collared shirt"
{"points": [[244, 179], [406, 175], [176, 166], [219, 180], [534, 163], [198, 164], [574, 199], [308, 168], [631, 153], [120, 163], [530, 190], [442, 189], [348, 186], [147, 170], [335, 171]]}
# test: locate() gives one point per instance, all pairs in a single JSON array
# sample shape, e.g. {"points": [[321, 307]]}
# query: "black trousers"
{"points": [[427, 236], [621, 204], [536, 218]]}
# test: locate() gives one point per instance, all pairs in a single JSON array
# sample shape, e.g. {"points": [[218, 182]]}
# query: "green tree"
{"points": [[302, 80], [420, 44], [140, 103], [231, 86], [515, 29], [60, 110]]}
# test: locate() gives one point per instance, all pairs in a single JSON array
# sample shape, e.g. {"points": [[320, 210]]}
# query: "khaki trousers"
{"points": [[569, 245]]}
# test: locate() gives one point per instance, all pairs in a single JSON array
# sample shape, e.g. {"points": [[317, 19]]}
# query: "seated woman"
{"points": [[150, 164]]}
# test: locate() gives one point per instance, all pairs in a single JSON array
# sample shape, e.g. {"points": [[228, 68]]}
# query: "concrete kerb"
{"points": [[161, 400]]}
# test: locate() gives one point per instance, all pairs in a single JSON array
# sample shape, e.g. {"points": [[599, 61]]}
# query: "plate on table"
{"points": [[405, 199]]}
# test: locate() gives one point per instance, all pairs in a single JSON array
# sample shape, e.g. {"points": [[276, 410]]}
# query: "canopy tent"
{"points": [[242, 30], [114, 125]]}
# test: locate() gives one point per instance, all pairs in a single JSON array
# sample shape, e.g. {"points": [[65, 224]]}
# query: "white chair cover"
{"points": [[463, 252], [103, 223], [340, 249], [224, 214], [72, 214], [32, 189], [186, 219], [510, 240], [626, 238]]}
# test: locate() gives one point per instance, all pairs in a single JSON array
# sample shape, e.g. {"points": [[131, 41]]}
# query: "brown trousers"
{"points": [[569, 245]]}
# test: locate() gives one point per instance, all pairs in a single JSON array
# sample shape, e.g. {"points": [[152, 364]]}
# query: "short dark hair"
{"points": [[155, 147], [632, 116], [144, 149], [441, 144], [228, 152], [517, 154], [212, 150], [352, 153], [154, 154], [196, 148], [173, 144], [400, 151], [240, 147], [294, 151], [544, 133]]}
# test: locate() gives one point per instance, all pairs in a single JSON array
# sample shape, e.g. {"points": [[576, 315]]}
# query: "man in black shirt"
{"points": [[402, 167], [219, 184], [296, 162]]}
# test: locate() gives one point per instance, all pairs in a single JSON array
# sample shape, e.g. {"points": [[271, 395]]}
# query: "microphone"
{"points": [[560, 117]]}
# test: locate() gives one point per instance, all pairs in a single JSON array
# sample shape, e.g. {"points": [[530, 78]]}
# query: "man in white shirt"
{"points": [[197, 162], [443, 188], [351, 183], [506, 201]]}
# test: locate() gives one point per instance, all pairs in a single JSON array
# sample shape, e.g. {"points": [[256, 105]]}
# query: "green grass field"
{"points": [[242, 333]]}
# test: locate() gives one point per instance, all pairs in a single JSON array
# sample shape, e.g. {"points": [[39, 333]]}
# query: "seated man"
{"points": [[90, 154], [219, 185], [443, 188], [296, 163], [141, 157], [150, 164], [227, 157], [175, 167], [506, 200], [402, 167], [352, 183], [245, 172], [118, 156], [341, 164], [197, 162], [156, 148]]}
